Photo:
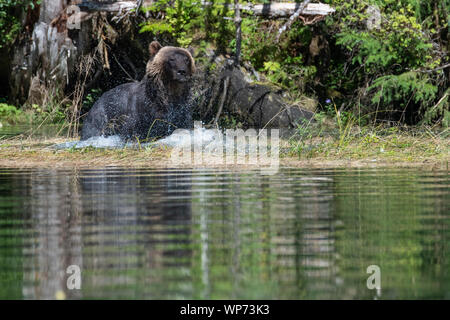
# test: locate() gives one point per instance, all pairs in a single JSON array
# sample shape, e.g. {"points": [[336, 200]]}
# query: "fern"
{"points": [[441, 109], [404, 88], [156, 27], [372, 52]]}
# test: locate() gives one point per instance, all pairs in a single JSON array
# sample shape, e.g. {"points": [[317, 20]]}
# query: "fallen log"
{"points": [[119, 6], [282, 9], [273, 10]]}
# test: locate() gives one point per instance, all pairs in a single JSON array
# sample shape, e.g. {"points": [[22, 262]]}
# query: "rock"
{"points": [[262, 106], [255, 105], [374, 19]]}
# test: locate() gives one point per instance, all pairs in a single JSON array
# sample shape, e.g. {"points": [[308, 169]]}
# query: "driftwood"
{"points": [[273, 10], [119, 6], [283, 9]]}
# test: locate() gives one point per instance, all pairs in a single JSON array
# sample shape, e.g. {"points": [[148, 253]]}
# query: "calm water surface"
{"points": [[211, 234], [41, 131]]}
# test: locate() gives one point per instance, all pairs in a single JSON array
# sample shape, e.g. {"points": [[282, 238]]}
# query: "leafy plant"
{"points": [[403, 90], [390, 65], [50, 114], [10, 114], [180, 18], [91, 98], [10, 12]]}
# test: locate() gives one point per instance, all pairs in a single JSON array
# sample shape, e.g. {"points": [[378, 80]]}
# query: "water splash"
{"points": [[211, 141], [199, 137], [101, 142]]}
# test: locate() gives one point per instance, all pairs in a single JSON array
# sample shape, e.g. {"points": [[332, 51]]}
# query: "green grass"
{"points": [[320, 144], [333, 139]]}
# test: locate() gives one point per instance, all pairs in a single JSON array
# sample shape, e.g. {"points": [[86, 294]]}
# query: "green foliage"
{"points": [[91, 97], [49, 114], [36, 114], [391, 61], [440, 110], [283, 63], [446, 119], [399, 41], [10, 113], [186, 21], [157, 27], [180, 19], [403, 89], [231, 122], [10, 12]]}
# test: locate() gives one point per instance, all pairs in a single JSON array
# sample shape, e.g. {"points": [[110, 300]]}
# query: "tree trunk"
{"points": [[238, 22], [44, 57], [49, 59]]}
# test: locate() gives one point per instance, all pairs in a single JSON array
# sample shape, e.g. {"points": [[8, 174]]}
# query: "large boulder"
{"points": [[263, 106], [253, 104]]}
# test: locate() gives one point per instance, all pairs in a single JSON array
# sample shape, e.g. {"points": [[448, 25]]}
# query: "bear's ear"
{"points": [[191, 51], [153, 48]]}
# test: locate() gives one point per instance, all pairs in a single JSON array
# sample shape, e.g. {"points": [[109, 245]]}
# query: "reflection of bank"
{"points": [[265, 236], [138, 225], [301, 227], [314, 208], [54, 212], [122, 228]]}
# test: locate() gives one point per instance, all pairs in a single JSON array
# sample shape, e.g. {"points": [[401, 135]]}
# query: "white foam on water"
{"points": [[183, 138], [100, 142], [207, 140], [180, 138]]}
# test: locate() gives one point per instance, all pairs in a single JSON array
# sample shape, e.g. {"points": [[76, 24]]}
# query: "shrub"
{"points": [[10, 11], [392, 66]]}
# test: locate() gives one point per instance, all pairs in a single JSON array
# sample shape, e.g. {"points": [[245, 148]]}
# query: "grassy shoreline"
{"points": [[357, 149]]}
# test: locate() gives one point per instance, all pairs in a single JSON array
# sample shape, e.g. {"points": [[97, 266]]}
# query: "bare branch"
{"points": [[238, 22], [292, 19]]}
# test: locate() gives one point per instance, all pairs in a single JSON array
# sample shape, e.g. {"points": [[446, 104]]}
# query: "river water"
{"points": [[220, 234]]}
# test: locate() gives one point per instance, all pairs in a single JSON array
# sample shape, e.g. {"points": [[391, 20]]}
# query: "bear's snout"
{"points": [[182, 75]]}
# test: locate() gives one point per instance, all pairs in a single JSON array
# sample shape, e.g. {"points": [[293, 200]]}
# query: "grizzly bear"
{"points": [[151, 108]]}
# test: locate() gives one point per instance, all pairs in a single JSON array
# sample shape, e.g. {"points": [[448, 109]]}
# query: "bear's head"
{"points": [[170, 64]]}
